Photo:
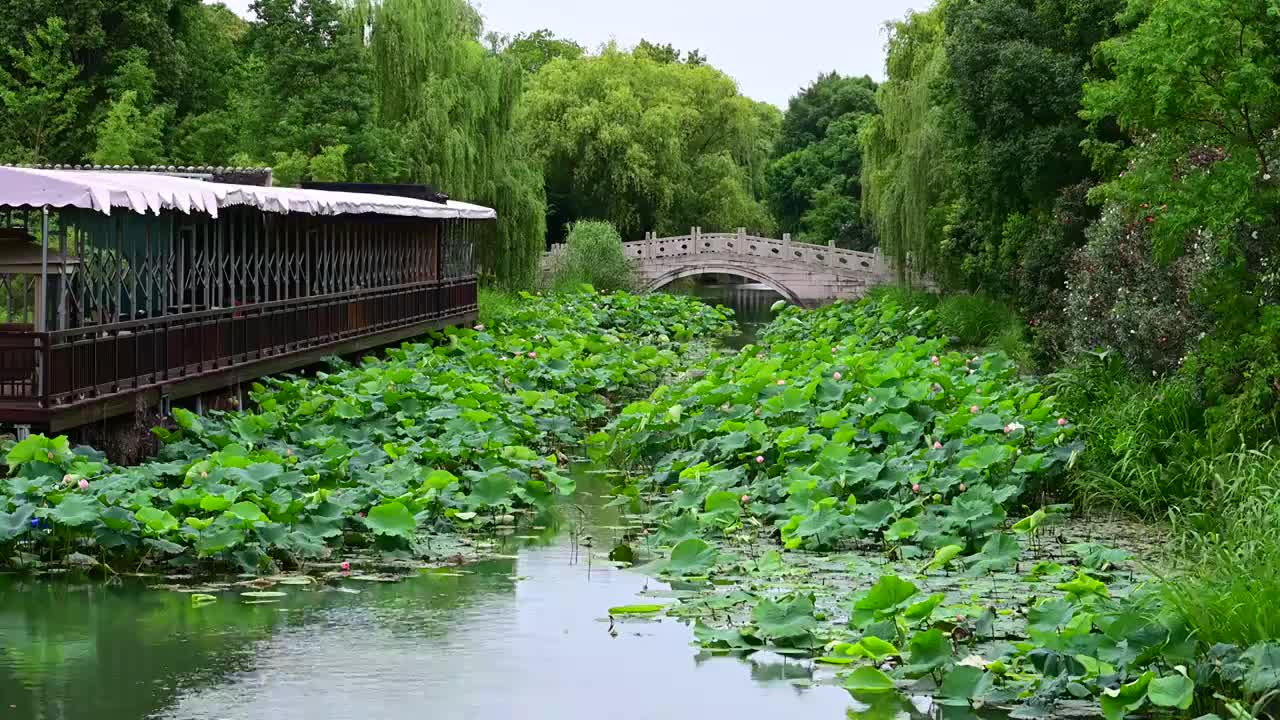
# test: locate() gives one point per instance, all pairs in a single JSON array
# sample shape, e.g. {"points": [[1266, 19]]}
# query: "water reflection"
{"points": [[749, 301], [520, 637]]}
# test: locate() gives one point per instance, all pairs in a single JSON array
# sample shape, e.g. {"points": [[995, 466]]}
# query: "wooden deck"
{"points": [[64, 379]]}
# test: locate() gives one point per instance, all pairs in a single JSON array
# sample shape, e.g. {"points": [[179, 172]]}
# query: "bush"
{"points": [[1119, 297], [593, 256], [1141, 439]]}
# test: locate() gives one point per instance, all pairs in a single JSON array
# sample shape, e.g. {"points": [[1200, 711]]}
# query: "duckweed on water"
{"points": [[433, 438]]}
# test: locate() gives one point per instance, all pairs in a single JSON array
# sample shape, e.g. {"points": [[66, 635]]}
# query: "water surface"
{"points": [[520, 637]]}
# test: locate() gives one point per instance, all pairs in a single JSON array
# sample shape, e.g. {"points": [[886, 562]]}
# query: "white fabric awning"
{"points": [[147, 192]]}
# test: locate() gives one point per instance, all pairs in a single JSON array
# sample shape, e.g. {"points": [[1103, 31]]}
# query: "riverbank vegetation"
{"points": [[857, 491], [371, 460]]}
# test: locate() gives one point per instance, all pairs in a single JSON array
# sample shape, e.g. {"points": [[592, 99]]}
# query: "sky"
{"points": [[773, 48]]}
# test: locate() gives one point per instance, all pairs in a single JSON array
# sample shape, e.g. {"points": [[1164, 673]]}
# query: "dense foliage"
{"points": [[889, 467], [648, 144], [432, 437], [815, 174]]}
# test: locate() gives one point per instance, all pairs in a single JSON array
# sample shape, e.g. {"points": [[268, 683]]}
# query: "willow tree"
{"points": [[649, 145], [453, 102], [903, 174]]}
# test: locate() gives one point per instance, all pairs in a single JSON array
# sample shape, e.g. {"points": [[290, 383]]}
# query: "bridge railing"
{"points": [[741, 243]]}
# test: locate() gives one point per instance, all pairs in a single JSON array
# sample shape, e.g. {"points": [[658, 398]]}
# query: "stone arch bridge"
{"points": [[803, 273]]}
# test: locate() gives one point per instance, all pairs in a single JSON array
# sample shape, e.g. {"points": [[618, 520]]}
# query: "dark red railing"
{"points": [[55, 369]]}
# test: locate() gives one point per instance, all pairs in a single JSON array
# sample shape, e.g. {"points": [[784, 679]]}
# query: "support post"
{"points": [[742, 240], [42, 297]]}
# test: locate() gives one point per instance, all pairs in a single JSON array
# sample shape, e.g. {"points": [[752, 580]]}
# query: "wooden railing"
{"points": [[57, 369]]}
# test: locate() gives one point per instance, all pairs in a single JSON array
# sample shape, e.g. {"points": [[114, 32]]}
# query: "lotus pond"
{"points": [[849, 517]]}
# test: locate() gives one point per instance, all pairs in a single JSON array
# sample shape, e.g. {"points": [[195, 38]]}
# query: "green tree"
{"points": [[100, 37], [1199, 85], [454, 102], [535, 49], [815, 179], [667, 54], [1011, 104], [129, 136], [648, 145], [826, 100], [40, 96], [311, 81], [903, 172], [330, 165]]}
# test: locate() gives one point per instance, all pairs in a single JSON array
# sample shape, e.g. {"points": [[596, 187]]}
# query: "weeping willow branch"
{"points": [[902, 174], [455, 103]]}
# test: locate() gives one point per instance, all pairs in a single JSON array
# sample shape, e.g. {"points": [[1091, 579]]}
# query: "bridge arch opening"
{"points": [[748, 274]]}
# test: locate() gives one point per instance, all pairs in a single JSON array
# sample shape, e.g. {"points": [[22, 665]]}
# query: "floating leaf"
{"points": [[692, 557], [391, 518], [636, 609], [868, 679]]}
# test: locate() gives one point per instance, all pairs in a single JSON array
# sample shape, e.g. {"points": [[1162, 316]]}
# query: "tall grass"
{"points": [[1141, 439], [1227, 579], [497, 304], [976, 320]]}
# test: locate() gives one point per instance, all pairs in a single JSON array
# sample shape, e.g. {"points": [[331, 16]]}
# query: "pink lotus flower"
{"points": [[84, 484], [759, 459], [204, 474], [973, 409], [915, 488], [1062, 422], [346, 566], [67, 479], [935, 360], [360, 515], [782, 382], [962, 487], [479, 328], [1008, 429], [837, 375], [937, 445], [746, 499], [533, 354]]}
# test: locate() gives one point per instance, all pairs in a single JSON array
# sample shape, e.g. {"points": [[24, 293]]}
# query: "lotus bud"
{"points": [[1062, 422], [973, 409], [837, 375], [915, 488], [937, 445], [84, 484], [759, 459], [346, 566]]}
